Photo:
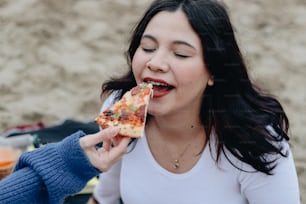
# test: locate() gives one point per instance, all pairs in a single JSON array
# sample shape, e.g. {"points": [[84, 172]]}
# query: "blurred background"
{"points": [[54, 56]]}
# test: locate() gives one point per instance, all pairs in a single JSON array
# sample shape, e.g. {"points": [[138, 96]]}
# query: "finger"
{"points": [[107, 144], [93, 139], [117, 139], [124, 141], [120, 149]]}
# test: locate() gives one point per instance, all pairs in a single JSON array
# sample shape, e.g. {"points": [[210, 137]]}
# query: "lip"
{"points": [[157, 91], [155, 80]]}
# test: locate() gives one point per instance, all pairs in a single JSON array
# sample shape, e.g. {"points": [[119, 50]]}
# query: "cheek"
{"points": [[193, 80], [193, 76], [138, 64]]}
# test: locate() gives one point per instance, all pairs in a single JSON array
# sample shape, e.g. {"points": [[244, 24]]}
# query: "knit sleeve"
{"points": [[23, 186], [63, 167]]}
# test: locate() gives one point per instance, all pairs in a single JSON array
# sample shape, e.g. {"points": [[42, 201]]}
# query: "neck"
{"points": [[176, 144], [176, 129]]}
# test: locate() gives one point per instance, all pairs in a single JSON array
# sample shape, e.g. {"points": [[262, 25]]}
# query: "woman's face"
{"points": [[170, 57]]}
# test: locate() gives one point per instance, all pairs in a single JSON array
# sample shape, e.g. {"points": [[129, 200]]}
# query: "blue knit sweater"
{"points": [[48, 174]]}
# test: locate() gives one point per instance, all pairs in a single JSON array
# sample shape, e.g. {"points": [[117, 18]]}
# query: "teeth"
{"points": [[157, 83]]}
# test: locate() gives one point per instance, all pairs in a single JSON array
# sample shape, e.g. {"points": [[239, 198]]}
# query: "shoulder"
{"points": [[227, 158], [255, 185]]}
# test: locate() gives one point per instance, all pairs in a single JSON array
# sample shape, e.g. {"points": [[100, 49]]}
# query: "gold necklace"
{"points": [[176, 162]]}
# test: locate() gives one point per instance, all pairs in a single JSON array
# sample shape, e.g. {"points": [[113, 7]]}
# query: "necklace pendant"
{"points": [[176, 164]]}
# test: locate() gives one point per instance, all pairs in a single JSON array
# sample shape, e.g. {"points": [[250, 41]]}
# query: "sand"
{"points": [[54, 55]]}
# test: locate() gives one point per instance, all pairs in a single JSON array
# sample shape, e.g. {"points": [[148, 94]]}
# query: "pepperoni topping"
{"points": [[136, 90], [140, 112], [129, 112]]}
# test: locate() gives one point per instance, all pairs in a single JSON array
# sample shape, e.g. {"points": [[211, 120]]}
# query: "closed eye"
{"points": [[180, 55], [148, 49]]}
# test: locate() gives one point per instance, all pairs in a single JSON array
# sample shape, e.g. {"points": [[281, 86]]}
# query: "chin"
{"points": [[155, 111]]}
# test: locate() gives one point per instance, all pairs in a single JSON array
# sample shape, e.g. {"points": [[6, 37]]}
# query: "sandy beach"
{"points": [[54, 56]]}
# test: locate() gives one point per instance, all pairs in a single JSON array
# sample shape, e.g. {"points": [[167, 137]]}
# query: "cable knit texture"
{"points": [[48, 174]]}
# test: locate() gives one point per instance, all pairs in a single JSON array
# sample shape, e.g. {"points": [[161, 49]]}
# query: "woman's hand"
{"points": [[114, 147]]}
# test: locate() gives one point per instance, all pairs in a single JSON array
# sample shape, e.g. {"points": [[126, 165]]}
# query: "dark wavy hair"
{"points": [[247, 122]]}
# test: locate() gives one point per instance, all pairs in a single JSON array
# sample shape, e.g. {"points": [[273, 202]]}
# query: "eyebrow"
{"points": [[178, 42]]}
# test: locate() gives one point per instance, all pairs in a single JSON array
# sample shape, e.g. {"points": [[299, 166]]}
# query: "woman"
{"points": [[211, 136], [52, 172]]}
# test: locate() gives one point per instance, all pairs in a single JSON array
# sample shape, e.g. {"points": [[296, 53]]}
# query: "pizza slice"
{"points": [[129, 113]]}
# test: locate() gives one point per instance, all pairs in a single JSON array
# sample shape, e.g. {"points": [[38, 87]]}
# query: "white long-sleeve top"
{"points": [[138, 179]]}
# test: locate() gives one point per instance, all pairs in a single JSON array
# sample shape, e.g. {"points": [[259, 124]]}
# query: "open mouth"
{"points": [[160, 88], [159, 85]]}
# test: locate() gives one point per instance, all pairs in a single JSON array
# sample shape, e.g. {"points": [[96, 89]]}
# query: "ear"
{"points": [[210, 81]]}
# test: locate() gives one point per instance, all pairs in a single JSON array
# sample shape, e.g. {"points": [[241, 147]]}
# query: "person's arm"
{"points": [[50, 173], [20, 187], [38, 172], [281, 187]]}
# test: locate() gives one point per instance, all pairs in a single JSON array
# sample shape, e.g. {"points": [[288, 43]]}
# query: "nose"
{"points": [[158, 63]]}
